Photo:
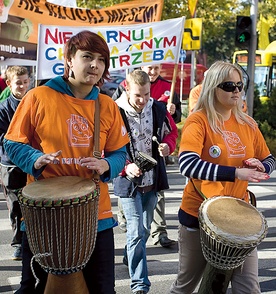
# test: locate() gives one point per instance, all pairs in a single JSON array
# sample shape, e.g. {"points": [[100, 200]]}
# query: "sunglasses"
{"points": [[231, 86]]}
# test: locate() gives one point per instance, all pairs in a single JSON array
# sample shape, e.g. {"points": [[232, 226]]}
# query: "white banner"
{"points": [[130, 45]]}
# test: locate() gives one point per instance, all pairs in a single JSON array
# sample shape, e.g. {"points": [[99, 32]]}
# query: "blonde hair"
{"points": [[218, 73], [138, 77], [16, 71]]}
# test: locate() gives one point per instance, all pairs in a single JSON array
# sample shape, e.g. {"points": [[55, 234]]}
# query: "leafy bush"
{"points": [[264, 114]]}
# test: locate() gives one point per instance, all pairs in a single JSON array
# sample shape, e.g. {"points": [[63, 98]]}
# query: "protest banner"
{"points": [[130, 45], [35, 12], [19, 20]]}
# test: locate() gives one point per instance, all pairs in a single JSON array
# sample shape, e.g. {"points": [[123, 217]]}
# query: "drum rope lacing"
{"points": [[48, 221], [32, 267]]}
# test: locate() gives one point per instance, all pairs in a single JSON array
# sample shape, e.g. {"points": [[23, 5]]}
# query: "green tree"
{"points": [[95, 4], [264, 114]]}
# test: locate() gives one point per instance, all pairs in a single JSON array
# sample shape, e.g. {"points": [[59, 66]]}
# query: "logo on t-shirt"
{"points": [[79, 132], [234, 145], [214, 151]]}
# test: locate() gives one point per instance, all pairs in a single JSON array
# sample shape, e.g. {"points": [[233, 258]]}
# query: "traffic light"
{"points": [[243, 31]]}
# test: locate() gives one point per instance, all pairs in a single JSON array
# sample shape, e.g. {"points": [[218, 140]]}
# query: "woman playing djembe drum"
{"points": [[221, 150], [52, 138]]}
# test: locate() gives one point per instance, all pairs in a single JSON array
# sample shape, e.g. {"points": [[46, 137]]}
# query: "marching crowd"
{"points": [[66, 127]]}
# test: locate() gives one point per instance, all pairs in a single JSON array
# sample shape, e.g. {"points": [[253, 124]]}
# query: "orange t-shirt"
{"points": [[193, 97], [50, 121], [239, 142]]}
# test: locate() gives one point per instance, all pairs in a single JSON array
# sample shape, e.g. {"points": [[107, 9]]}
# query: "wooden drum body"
{"points": [[230, 229], [61, 216]]}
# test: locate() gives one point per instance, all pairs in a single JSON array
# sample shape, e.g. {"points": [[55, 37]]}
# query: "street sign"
{"points": [[192, 34], [192, 7]]}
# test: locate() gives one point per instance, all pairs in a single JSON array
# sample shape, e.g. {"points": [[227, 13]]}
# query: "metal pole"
{"points": [[251, 56], [182, 59], [193, 66]]}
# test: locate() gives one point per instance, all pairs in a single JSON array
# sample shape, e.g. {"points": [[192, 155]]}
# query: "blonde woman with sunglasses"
{"points": [[221, 150]]}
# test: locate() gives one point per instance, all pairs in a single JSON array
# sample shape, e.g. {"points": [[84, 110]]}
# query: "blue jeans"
{"points": [[139, 215]]}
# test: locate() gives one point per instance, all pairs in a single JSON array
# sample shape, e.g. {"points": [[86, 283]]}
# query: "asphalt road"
{"points": [[162, 262]]}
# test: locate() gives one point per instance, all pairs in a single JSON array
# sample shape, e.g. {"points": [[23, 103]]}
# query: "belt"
{"points": [[145, 189]]}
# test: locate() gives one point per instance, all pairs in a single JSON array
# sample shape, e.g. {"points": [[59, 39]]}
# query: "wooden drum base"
{"points": [[66, 284], [214, 280]]}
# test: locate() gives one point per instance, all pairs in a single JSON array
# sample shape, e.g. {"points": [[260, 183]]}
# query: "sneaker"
{"points": [[122, 227], [17, 255]]}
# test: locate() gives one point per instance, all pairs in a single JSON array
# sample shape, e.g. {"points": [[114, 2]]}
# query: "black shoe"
{"points": [[169, 160], [166, 242], [140, 292]]}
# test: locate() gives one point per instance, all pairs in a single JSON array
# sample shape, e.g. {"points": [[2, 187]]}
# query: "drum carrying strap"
{"points": [[252, 196], [198, 191], [96, 152]]}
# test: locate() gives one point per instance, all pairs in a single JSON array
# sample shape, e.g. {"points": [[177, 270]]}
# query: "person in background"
{"points": [[5, 91], [12, 177], [160, 91], [193, 97], [36, 146], [5, 94], [144, 118], [221, 150], [3, 83]]}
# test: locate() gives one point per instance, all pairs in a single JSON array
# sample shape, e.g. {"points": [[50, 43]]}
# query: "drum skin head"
{"points": [[59, 188], [230, 229], [234, 216], [149, 158]]}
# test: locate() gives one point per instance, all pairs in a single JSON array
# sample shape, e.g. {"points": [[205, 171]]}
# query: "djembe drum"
{"points": [[61, 216], [230, 229]]}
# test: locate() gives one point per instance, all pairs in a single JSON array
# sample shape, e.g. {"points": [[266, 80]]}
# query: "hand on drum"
{"points": [[133, 170], [164, 149], [98, 165], [46, 159], [250, 174]]}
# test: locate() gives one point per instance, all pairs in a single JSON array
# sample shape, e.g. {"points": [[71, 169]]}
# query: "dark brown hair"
{"points": [[86, 41]]}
